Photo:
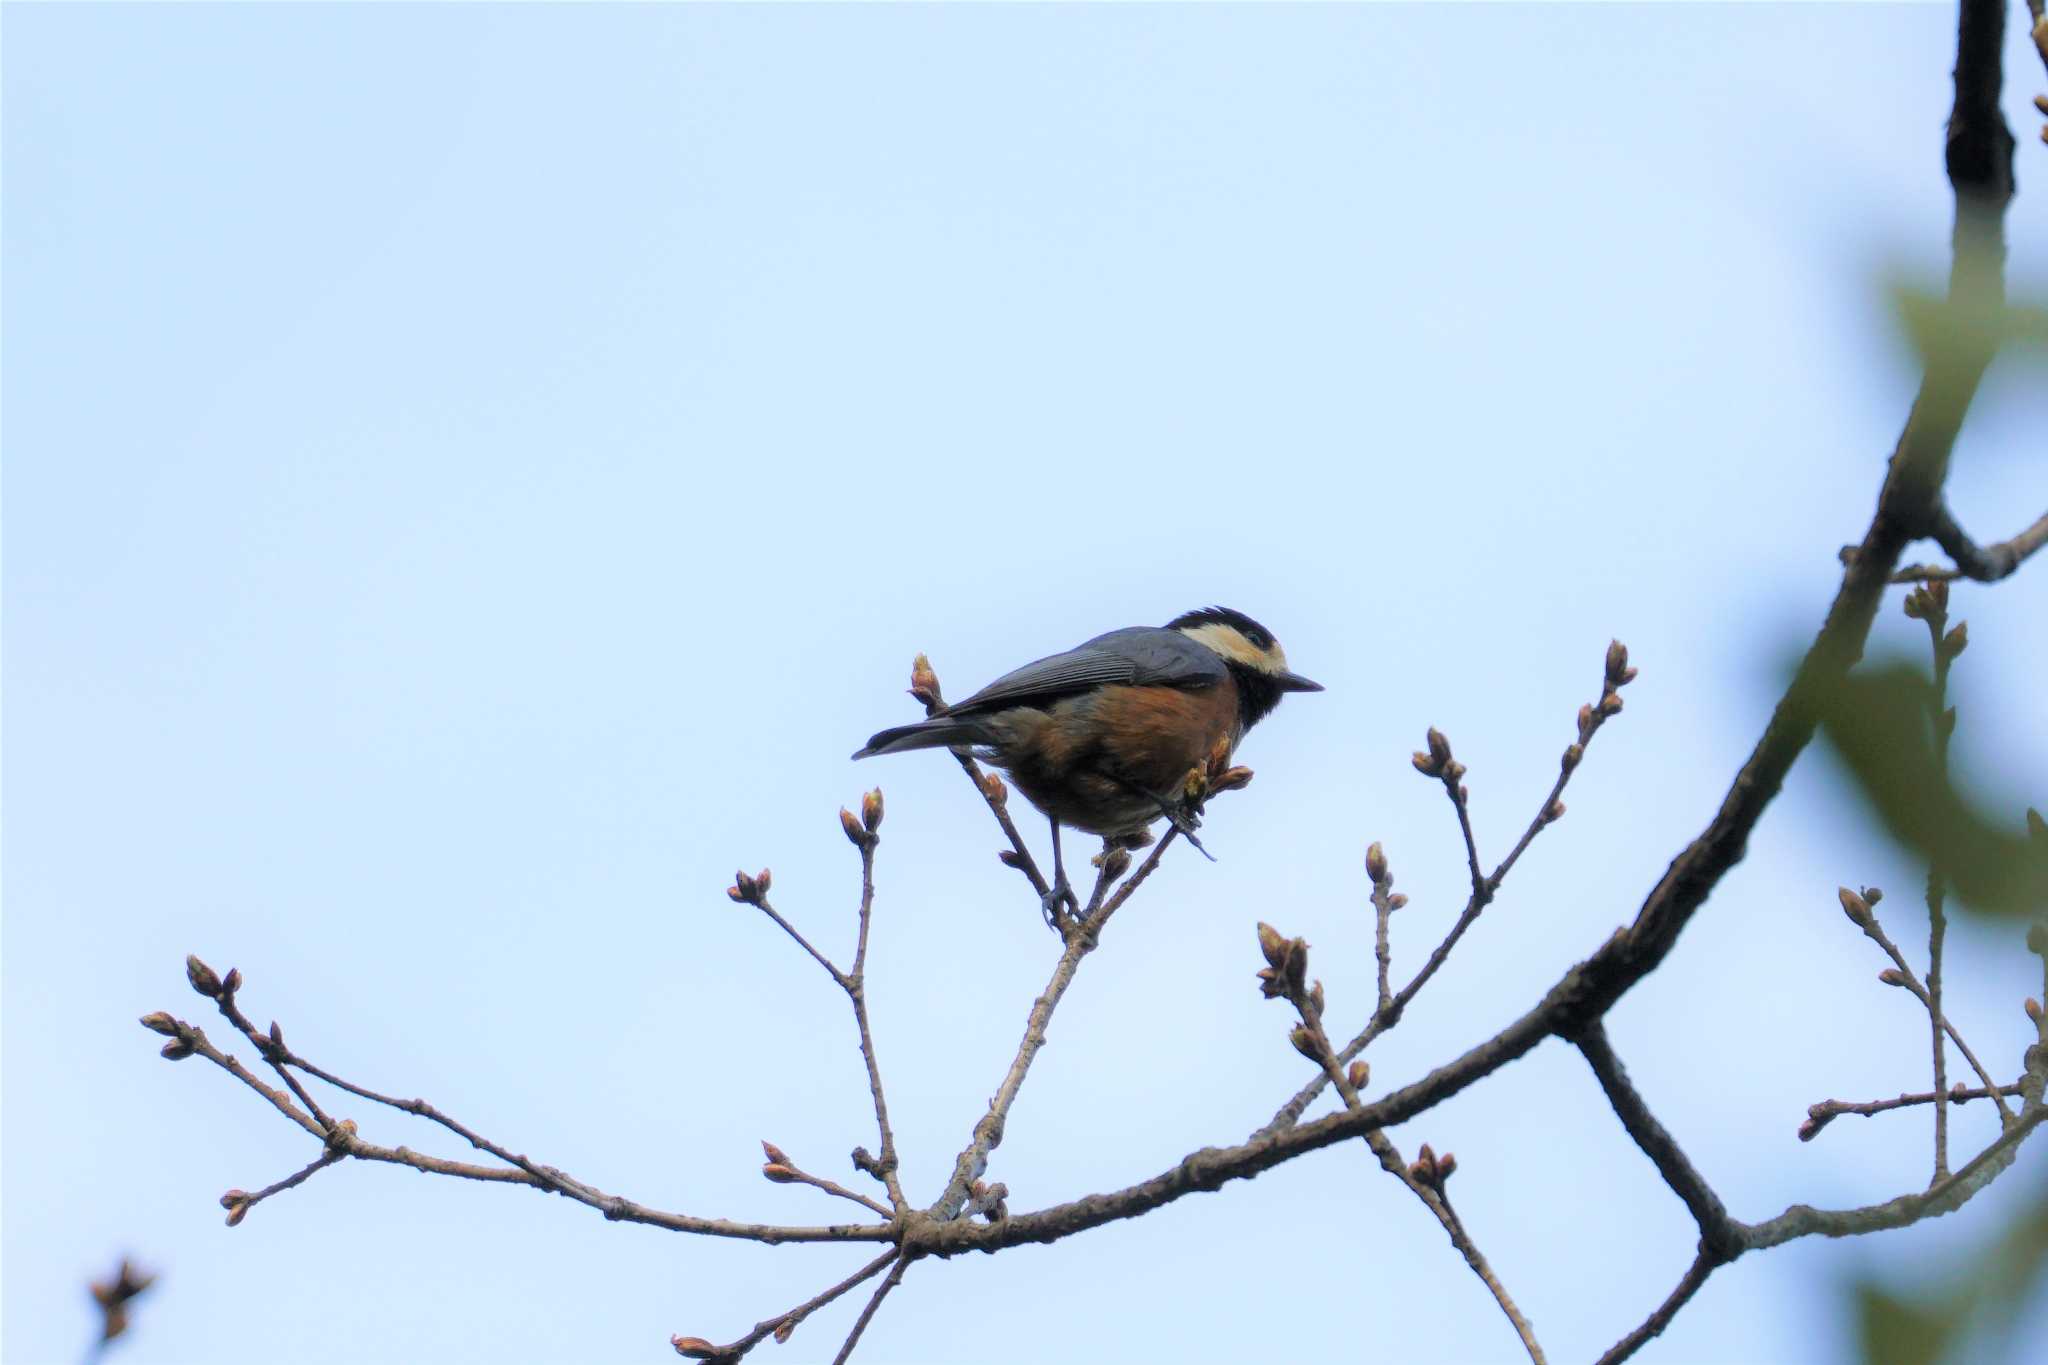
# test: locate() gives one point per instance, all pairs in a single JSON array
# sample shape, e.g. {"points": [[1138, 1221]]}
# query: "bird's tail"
{"points": [[940, 732]]}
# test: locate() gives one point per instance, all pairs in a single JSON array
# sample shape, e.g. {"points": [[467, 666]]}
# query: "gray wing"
{"points": [[1140, 654]]}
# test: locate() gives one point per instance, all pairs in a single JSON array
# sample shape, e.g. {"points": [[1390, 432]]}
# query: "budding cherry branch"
{"points": [[972, 1213]]}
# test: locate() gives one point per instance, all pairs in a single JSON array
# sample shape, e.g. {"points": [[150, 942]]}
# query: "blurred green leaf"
{"points": [[1897, 1331], [1988, 1292], [1880, 721]]}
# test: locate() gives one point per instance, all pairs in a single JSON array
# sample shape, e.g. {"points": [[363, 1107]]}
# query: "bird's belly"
{"points": [[1105, 761]]}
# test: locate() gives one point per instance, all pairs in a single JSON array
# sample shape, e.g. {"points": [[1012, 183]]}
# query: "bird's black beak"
{"points": [[1294, 682]]}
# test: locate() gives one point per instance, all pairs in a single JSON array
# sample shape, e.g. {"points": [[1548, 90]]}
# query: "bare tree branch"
{"points": [[782, 1325], [1288, 964], [867, 1314], [1720, 1236], [1819, 1116], [1616, 674], [972, 1162], [1703, 1265], [1863, 915], [1910, 506]]}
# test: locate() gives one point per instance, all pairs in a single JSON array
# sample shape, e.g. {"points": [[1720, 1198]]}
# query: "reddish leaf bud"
{"points": [[203, 978], [1586, 723], [924, 684], [1439, 747], [1892, 976], [775, 1154], [1855, 907], [1873, 894], [785, 1331], [779, 1173], [1957, 640], [236, 1215], [1010, 857], [1359, 1074], [1610, 704], [1397, 900], [1572, 754], [234, 1197], [1304, 1040], [159, 1022], [1116, 863], [1425, 765], [1453, 771], [1376, 863], [177, 1050], [1272, 943], [1316, 999], [762, 880], [993, 789], [1446, 1167], [232, 982], [871, 810], [1230, 780], [1553, 812], [2033, 1009], [849, 823], [696, 1348], [1617, 662]]}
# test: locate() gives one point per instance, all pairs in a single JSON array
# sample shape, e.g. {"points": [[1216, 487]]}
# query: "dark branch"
{"points": [[1703, 1265], [1720, 1236]]}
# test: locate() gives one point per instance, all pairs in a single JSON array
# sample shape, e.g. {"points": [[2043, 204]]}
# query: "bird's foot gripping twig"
{"points": [[1059, 903]]}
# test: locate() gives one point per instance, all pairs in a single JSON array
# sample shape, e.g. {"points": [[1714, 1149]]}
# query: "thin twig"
{"points": [[1907, 978], [617, 1208], [783, 1324], [269, 1049], [855, 986], [1591, 717], [797, 1176], [771, 912], [1703, 1265], [239, 1202], [1432, 1194], [1383, 907], [999, 806], [1820, 1115], [867, 1314], [972, 1162], [1943, 721]]}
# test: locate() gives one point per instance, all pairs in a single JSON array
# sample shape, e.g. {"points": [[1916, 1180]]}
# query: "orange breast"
{"points": [[1152, 736]]}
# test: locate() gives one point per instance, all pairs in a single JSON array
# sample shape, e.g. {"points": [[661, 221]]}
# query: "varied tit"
{"points": [[1102, 736]]}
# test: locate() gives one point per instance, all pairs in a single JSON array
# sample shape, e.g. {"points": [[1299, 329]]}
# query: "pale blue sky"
{"points": [[473, 474]]}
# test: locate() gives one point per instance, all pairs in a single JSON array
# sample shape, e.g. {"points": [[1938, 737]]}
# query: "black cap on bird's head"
{"points": [[1253, 655]]}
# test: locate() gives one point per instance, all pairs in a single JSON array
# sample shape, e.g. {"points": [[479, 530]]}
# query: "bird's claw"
{"points": [[1058, 901]]}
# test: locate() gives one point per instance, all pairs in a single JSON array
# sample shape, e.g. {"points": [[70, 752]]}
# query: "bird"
{"points": [[1101, 737]]}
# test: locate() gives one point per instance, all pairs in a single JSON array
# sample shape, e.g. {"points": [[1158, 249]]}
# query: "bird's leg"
{"points": [[1062, 893], [1183, 815]]}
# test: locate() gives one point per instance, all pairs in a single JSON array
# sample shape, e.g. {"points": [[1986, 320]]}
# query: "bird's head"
{"points": [[1254, 657]]}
